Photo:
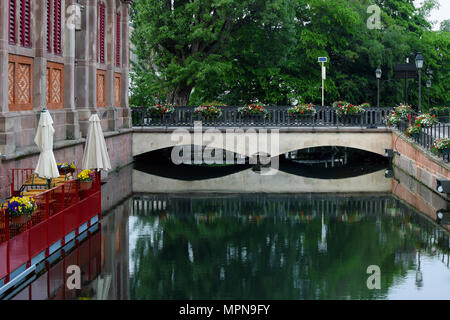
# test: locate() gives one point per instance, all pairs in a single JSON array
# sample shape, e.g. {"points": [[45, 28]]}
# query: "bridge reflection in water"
{"points": [[250, 181]]}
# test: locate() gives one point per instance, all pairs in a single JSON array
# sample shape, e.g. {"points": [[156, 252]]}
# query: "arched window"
{"points": [[101, 33]]}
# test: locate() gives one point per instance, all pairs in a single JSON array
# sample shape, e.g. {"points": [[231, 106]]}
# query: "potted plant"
{"points": [[413, 130], [349, 113], [65, 168], [159, 111], [253, 112], [441, 146], [302, 111], [339, 103], [20, 209], [426, 120], [208, 112], [393, 118], [404, 110], [85, 178]]}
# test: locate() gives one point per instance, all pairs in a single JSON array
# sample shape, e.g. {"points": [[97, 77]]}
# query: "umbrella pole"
{"points": [[49, 183]]}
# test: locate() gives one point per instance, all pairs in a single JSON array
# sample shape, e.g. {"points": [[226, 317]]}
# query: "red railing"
{"points": [[61, 211], [52, 284], [19, 176]]}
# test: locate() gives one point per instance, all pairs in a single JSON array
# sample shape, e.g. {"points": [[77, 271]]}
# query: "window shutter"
{"points": [[25, 17], [101, 45], [118, 40], [12, 21], [49, 26], [57, 47]]}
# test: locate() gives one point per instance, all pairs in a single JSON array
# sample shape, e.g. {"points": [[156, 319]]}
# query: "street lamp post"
{"points": [[378, 75], [428, 86], [419, 65]]}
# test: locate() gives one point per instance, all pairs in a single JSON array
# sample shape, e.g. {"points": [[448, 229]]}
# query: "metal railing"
{"points": [[277, 116], [429, 135], [60, 211]]}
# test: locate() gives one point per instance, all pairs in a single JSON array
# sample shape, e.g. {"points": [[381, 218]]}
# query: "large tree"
{"points": [[237, 52], [180, 42]]}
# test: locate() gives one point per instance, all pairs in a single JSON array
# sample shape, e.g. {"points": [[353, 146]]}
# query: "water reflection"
{"points": [[238, 245], [279, 247], [250, 181]]}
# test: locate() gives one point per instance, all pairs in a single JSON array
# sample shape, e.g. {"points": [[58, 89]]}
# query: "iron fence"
{"points": [[429, 135], [277, 116]]}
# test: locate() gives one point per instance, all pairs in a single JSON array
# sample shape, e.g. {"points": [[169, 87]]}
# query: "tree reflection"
{"points": [[269, 250]]}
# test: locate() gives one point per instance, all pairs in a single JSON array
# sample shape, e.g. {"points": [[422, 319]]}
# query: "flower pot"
{"points": [[85, 185], [350, 119], [19, 220], [302, 119], [66, 171], [255, 118]]}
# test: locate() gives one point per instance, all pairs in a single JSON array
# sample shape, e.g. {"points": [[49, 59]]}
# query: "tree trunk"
{"points": [[180, 96]]}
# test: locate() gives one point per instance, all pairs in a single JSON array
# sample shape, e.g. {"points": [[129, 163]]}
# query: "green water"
{"points": [[264, 246]]}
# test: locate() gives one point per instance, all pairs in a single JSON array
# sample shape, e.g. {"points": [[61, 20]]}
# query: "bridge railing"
{"points": [[429, 135], [277, 116]]}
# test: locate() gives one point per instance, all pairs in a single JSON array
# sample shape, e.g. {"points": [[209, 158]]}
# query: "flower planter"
{"points": [[254, 118], [66, 171], [301, 119], [445, 151], [85, 185], [19, 220], [355, 119], [208, 120]]}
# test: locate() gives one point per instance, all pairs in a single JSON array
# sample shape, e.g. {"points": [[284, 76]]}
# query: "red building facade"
{"points": [[72, 57]]}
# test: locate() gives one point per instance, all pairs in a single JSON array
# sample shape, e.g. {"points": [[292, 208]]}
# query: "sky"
{"points": [[441, 14]]}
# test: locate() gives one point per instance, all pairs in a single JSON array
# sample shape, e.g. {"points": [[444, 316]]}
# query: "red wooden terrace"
{"points": [[64, 214]]}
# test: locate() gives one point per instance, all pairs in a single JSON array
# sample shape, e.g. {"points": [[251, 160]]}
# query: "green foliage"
{"points": [[256, 51]]}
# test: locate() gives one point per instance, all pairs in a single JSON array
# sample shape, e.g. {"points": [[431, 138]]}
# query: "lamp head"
{"points": [[378, 73], [419, 61]]}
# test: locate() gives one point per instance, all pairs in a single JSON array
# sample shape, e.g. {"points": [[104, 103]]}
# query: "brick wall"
{"points": [[418, 162]]}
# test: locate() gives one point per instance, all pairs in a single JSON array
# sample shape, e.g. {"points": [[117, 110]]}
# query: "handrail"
{"points": [[276, 116], [61, 211], [429, 135]]}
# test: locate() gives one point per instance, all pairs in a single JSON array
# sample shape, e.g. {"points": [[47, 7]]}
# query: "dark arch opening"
{"points": [[332, 162], [159, 163]]}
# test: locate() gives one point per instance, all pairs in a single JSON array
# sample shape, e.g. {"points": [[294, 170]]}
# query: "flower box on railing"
{"points": [[356, 119]]}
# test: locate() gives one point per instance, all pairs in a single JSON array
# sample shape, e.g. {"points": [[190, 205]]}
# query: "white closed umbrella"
{"points": [[46, 167], [95, 153]]}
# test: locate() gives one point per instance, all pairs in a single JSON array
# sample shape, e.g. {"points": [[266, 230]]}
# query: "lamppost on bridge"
{"points": [[378, 75], [428, 86], [419, 65]]}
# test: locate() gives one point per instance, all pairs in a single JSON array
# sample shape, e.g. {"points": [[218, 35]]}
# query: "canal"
{"points": [[234, 233]]}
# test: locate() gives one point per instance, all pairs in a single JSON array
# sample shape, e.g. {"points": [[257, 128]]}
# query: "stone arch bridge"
{"points": [[252, 141]]}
